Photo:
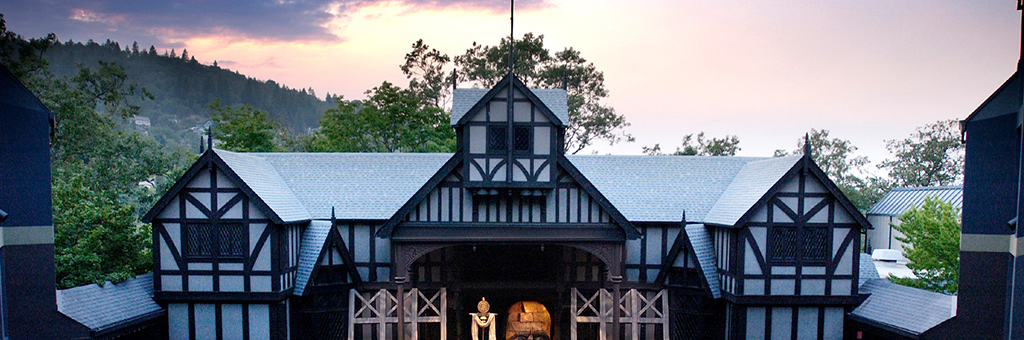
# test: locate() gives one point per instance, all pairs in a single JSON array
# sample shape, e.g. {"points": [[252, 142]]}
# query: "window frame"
{"points": [[216, 234], [800, 252]]}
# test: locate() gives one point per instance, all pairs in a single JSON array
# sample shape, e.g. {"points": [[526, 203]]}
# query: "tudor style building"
{"points": [[334, 245]]}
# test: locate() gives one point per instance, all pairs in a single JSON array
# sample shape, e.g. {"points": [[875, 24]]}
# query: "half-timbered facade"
{"points": [[349, 246]]}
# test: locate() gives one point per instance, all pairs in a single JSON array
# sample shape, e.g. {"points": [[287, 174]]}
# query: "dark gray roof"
{"points": [[705, 253], [661, 188], [899, 200], [373, 186], [112, 305], [312, 243], [267, 183], [749, 185], [360, 185], [868, 270], [905, 310], [554, 99]]}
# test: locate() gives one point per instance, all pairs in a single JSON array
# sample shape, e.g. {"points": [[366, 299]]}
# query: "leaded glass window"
{"points": [[523, 137], [199, 240], [497, 139], [782, 244], [232, 240], [815, 247]]}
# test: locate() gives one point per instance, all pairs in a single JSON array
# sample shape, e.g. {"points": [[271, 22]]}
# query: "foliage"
{"points": [[424, 67], [836, 158], [933, 231], [932, 155], [726, 146], [589, 119], [182, 88], [244, 129], [391, 120], [103, 174]]}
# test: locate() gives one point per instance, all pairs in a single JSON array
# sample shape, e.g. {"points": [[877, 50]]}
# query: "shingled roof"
{"points": [[373, 186], [465, 99], [899, 200], [312, 244], [705, 253], [903, 310], [111, 306]]}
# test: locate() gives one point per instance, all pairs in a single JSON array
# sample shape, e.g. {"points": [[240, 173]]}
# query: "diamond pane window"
{"points": [[497, 139], [232, 240], [198, 240], [815, 245], [523, 136], [782, 244]]}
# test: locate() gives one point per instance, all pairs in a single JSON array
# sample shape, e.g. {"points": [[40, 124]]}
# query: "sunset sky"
{"points": [[767, 71]]}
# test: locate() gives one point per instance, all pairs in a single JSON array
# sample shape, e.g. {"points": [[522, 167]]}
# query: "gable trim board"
{"points": [[804, 162], [210, 157], [997, 93], [331, 241], [503, 86]]}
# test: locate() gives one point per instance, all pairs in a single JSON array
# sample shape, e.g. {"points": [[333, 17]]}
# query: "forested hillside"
{"points": [[182, 88]]}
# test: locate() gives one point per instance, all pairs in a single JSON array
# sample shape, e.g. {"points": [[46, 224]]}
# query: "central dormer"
{"points": [[510, 136]]}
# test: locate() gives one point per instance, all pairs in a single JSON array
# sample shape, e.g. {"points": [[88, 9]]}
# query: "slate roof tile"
{"points": [[554, 99], [267, 183], [749, 185], [101, 307], [906, 310], [312, 244], [705, 253]]}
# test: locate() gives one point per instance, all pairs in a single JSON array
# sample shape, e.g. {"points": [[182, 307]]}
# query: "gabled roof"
{"points": [[867, 270], [111, 306], [362, 186], [266, 183], [703, 249], [903, 310], [1005, 100], [16, 94], [899, 200], [309, 254], [661, 188], [551, 101], [752, 182]]}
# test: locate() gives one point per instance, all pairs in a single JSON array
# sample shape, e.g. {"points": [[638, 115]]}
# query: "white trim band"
{"points": [[28, 235]]}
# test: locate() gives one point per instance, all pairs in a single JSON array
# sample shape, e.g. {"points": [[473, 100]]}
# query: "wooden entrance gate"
{"points": [[643, 315], [374, 314]]}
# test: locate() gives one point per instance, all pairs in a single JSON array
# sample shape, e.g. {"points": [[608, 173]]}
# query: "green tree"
{"points": [[589, 118], [392, 119], [726, 146], [244, 129], [933, 231], [932, 155], [836, 158]]}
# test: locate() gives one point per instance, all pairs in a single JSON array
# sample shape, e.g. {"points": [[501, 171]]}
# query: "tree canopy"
{"points": [[932, 155], [835, 157], [392, 119], [933, 231], [244, 129], [726, 146], [590, 119]]}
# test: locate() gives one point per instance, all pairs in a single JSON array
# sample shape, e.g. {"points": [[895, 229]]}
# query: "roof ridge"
{"points": [[927, 188]]}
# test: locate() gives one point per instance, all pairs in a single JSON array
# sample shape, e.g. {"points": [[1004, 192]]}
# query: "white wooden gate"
{"points": [[380, 308], [635, 308]]}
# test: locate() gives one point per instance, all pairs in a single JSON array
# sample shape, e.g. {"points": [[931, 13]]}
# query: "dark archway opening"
{"points": [[505, 274]]}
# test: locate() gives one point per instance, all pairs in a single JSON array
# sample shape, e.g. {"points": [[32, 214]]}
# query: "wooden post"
{"points": [[634, 309], [664, 313], [444, 313], [351, 313], [400, 280], [572, 314], [617, 281], [382, 313]]}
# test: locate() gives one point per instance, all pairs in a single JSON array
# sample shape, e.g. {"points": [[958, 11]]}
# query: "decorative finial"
{"points": [[483, 306], [333, 218], [565, 78], [209, 138], [202, 145], [455, 81], [511, 35], [807, 144]]}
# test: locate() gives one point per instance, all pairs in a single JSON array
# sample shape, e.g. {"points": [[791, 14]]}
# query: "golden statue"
{"points": [[528, 320], [483, 319]]}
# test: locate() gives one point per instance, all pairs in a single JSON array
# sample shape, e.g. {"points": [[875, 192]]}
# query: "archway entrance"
{"points": [[504, 274]]}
